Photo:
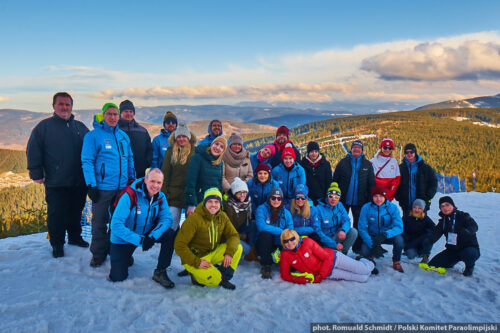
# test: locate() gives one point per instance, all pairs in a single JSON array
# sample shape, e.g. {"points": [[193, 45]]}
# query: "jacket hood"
{"points": [[210, 134]]}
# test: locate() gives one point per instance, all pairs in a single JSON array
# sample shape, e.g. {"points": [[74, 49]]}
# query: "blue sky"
{"points": [[197, 52]]}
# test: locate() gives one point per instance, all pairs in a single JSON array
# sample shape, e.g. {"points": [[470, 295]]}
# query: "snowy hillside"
{"points": [[42, 294]]}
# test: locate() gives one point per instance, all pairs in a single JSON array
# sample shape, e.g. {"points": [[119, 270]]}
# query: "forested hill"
{"points": [[12, 160], [452, 141]]}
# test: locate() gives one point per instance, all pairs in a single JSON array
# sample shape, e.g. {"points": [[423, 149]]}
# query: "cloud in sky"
{"points": [[472, 60]]}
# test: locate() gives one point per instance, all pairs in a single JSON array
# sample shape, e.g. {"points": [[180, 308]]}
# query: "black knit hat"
{"points": [[446, 199], [127, 105], [312, 146], [358, 143], [410, 146]]}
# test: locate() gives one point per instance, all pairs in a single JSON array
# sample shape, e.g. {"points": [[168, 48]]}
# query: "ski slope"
{"points": [[43, 294]]}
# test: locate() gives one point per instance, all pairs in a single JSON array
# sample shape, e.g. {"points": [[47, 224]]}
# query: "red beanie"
{"points": [[263, 167], [386, 142], [288, 151], [283, 130], [378, 190]]}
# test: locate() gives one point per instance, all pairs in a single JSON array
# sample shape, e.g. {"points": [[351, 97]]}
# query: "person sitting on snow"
{"points": [[199, 243]]}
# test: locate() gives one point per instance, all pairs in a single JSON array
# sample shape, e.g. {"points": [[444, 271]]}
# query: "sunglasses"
{"points": [[300, 198], [333, 196], [170, 122], [387, 148], [275, 198], [285, 241], [409, 152]]}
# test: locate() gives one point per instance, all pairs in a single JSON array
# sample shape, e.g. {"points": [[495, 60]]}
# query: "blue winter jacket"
{"points": [[288, 180], [210, 137], [352, 191], [332, 220], [260, 192], [375, 220], [254, 160], [107, 159], [263, 221], [160, 146], [132, 225], [412, 184], [307, 226]]}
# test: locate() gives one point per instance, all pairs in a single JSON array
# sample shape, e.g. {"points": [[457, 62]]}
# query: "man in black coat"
{"points": [[418, 180], [53, 153], [140, 141], [318, 172], [354, 174]]}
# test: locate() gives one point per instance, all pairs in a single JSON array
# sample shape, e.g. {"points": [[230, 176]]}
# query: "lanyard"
{"points": [[452, 224]]}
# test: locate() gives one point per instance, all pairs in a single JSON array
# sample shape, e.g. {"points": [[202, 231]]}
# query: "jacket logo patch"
{"points": [[107, 145], [138, 209], [306, 254], [294, 262]]}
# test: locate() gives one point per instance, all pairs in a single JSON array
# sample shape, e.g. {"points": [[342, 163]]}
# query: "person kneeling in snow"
{"points": [[460, 230], [315, 263], [199, 243], [141, 218]]}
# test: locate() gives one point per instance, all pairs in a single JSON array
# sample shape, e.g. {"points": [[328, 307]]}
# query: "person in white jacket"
{"points": [[386, 168]]}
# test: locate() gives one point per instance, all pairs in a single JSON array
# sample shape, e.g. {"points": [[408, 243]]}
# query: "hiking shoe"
{"points": [[425, 259], [96, 262], [195, 283], [130, 261], [265, 272], [375, 269], [227, 285], [468, 270], [160, 276], [397, 266], [251, 256], [78, 242], [58, 251], [183, 273]]}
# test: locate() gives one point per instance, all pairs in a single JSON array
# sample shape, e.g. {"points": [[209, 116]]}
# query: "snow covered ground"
{"points": [[42, 294]]}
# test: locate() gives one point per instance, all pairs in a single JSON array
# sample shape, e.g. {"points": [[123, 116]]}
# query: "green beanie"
{"points": [[106, 106], [334, 188]]}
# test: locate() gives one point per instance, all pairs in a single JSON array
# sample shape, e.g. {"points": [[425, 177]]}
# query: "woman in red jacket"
{"points": [[315, 263]]}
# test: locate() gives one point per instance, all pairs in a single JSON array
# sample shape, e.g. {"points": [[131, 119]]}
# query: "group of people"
{"points": [[271, 206]]}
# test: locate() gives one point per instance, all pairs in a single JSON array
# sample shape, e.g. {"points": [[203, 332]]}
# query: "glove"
{"points": [[317, 278], [94, 193], [377, 251], [147, 243], [379, 239]]}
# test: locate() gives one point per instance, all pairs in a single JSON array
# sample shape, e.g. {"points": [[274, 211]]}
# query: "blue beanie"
{"points": [[302, 189]]}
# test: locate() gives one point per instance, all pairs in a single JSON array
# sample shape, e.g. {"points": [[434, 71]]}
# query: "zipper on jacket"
{"points": [[103, 172], [147, 216], [120, 160]]}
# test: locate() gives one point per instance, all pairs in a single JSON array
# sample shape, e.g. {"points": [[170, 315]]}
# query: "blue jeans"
{"points": [[397, 243]]}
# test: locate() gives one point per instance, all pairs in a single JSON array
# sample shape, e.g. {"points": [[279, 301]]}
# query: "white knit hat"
{"points": [[182, 129], [238, 185]]}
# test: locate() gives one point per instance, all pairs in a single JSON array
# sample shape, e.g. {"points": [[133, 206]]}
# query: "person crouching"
{"points": [[199, 243]]}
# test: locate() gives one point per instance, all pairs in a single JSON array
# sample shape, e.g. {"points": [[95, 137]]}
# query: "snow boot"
{"points": [[468, 270], [265, 272], [375, 269], [425, 259], [78, 242], [227, 285], [183, 273], [397, 266], [58, 251], [160, 276], [96, 262]]}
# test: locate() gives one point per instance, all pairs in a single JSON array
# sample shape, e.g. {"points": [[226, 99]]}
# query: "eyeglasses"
{"points": [[387, 148], [285, 241], [409, 152], [276, 198], [333, 196], [300, 198], [170, 122]]}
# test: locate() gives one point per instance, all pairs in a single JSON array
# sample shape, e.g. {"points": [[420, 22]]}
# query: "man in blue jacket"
{"points": [[53, 154], [214, 131], [143, 224], [160, 142], [108, 166], [380, 223], [335, 222]]}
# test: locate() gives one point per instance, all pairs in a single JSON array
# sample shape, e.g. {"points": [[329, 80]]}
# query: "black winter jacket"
{"points": [[318, 179], [426, 185], [366, 179], [140, 141], [53, 152], [415, 230], [464, 226]]}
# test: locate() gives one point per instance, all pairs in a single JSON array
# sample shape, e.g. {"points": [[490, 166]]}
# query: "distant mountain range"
{"points": [[473, 103]]}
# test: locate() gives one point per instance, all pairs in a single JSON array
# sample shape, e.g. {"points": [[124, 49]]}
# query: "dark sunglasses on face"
{"points": [[170, 122], [300, 198], [409, 152], [387, 148], [275, 198], [285, 241], [333, 196]]}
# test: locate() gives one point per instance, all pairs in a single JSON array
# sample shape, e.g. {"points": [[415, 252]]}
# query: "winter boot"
{"points": [[78, 242], [183, 273], [58, 251], [160, 276], [375, 269], [468, 270], [397, 266], [96, 262], [265, 272], [251, 256], [425, 259], [227, 285]]}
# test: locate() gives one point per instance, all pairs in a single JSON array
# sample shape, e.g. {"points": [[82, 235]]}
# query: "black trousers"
{"points": [[64, 212], [265, 246], [120, 256], [448, 258]]}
